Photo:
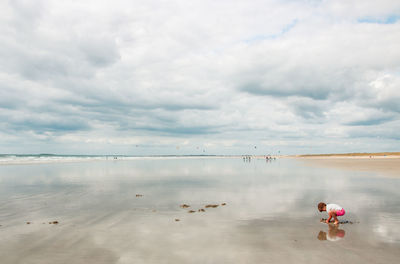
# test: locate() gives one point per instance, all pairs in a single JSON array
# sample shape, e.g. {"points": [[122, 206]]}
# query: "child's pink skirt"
{"points": [[340, 212]]}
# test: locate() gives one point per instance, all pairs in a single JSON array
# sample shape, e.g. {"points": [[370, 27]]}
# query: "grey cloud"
{"points": [[32, 63], [390, 104], [39, 51], [285, 76], [184, 106], [123, 117], [180, 130], [43, 67], [9, 100], [75, 112], [279, 89], [99, 52], [123, 106], [389, 131], [40, 125], [370, 121], [27, 14], [383, 93], [312, 110]]}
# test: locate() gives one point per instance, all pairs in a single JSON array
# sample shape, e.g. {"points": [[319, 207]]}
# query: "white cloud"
{"points": [[205, 72]]}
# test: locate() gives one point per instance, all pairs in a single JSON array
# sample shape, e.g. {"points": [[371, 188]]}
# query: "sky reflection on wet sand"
{"points": [[270, 214]]}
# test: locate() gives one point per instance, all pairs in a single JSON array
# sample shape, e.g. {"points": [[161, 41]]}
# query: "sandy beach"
{"points": [[197, 210], [385, 164]]}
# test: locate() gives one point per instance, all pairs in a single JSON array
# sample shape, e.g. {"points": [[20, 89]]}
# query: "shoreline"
{"points": [[349, 155]]}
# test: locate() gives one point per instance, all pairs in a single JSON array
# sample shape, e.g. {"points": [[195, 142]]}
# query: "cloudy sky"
{"points": [[199, 76]]}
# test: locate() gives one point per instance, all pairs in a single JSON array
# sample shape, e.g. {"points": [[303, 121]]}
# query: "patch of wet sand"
{"points": [[135, 238]]}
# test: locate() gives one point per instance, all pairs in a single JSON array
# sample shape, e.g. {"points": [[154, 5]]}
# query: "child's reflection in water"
{"points": [[334, 233]]}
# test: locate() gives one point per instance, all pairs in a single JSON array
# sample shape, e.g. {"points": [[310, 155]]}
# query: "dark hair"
{"points": [[321, 206]]}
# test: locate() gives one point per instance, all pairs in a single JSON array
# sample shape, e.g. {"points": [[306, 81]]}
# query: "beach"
{"points": [[385, 164], [194, 210], [199, 132]]}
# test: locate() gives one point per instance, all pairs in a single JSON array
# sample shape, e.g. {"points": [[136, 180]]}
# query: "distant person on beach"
{"points": [[333, 210]]}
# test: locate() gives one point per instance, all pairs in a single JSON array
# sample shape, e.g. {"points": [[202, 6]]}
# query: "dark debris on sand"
{"points": [[139, 195], [323, 220], [199, 210], [50, 223]]}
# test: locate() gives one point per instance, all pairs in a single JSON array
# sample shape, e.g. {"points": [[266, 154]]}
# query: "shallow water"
{"points": [[270, 213]]}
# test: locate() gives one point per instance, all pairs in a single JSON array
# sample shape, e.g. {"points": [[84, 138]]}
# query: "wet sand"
{"points": [[383, 165], [243, 212]]}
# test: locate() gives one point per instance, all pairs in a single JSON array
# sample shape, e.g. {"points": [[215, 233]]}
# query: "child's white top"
{"points": [[333, 207]]}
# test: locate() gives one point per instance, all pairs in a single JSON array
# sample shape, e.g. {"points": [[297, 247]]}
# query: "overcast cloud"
{"points": [[199, 76]]}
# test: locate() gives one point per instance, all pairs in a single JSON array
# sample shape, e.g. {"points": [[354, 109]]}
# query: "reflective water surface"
{"points": [[270, 214]]}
